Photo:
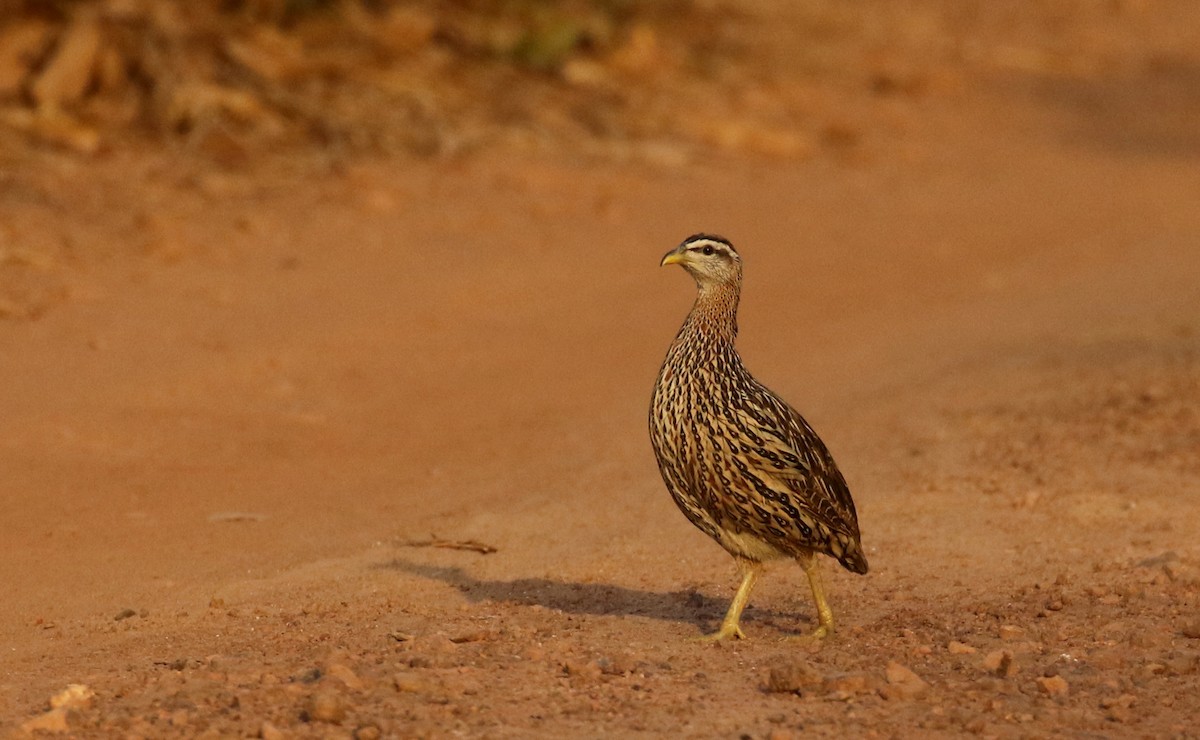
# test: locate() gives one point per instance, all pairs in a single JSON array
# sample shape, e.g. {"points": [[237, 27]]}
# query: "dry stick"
{"points": [[469, 545]]}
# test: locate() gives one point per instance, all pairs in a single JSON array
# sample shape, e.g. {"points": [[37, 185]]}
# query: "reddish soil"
{"points": [[240, 406]]}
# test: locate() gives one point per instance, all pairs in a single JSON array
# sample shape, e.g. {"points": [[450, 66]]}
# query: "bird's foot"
{"points": [[727, 632], [817, 635]]}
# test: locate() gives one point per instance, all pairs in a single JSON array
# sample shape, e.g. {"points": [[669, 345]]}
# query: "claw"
{"points": [[727, 632]]}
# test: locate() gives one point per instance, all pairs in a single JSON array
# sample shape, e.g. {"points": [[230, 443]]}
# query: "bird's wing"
{"points": [[789, 451]]}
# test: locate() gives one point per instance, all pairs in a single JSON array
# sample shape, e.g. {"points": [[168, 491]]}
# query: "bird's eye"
{"points": [[708, 250]]}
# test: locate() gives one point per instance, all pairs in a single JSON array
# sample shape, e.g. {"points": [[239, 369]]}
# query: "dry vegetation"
{"points": [[656, 81]]}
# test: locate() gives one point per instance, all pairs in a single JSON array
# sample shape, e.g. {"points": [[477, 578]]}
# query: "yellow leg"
{"points": [[729, 625], [824, 613]]}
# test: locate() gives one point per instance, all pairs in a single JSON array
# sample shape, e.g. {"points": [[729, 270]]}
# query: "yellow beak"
{"points": [[672, 258]]}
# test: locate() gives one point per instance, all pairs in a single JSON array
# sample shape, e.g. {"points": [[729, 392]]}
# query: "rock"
{"points": [[1191, 630], [368, 732], [792, 675], [902, 683], [1009, 632], [124, 614], [75, 696], [1053, 685], [345, 675], [269, 731], [848, 684], [326, 706], [960, 648], [54, 721], [1000, 663], [69, 72]]}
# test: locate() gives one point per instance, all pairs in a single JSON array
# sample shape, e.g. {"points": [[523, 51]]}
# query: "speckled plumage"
{"points": [[741, 464]]}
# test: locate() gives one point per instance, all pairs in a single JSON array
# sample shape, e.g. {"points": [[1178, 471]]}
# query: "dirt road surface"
{"points": [[240, 411]]}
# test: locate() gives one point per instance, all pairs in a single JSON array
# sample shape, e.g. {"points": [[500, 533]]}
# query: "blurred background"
{"points": [[666, 80]]}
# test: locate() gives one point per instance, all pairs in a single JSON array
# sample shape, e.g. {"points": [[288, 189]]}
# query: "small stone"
{"points": [[1000, 663], [792, 675], [1053, 685], [1011, 632], [368, 732], [1191, 630], [269, 731], [124, 614], [960, 648], [848, 684], [326, 706], [345, 675], [903, 683]]}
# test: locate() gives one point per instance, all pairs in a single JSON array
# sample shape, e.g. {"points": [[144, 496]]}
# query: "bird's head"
{"points": [[711, 260]]}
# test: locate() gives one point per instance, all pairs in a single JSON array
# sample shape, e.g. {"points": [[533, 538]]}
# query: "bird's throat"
{"points": [[715, 311]]}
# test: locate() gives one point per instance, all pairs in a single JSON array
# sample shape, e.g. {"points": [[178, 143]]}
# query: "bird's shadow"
{"points": [[600, 599]]}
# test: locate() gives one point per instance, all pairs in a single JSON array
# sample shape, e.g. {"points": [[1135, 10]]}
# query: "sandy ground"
{"points": [[246, 404]]}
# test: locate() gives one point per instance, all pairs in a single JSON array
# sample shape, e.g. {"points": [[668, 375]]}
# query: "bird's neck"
{"points": [[714, 315]]}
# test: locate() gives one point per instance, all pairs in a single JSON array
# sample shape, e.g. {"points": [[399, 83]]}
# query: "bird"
{"points": [[741, 464]]}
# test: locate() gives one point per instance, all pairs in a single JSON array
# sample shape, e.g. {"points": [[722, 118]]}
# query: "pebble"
{"points": [[903, 683], [1053, 685], [960, 648], [848, 684], [1191, 630], [792, 675], [368, 732], [344, 674], [1000, 663], [1011, 632], [269, 731]]}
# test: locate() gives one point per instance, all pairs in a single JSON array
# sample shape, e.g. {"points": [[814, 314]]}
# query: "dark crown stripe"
{"points": [[707, 238]]}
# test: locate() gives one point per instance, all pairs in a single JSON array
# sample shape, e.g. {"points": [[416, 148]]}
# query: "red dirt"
{"points": [[247, 399]]}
